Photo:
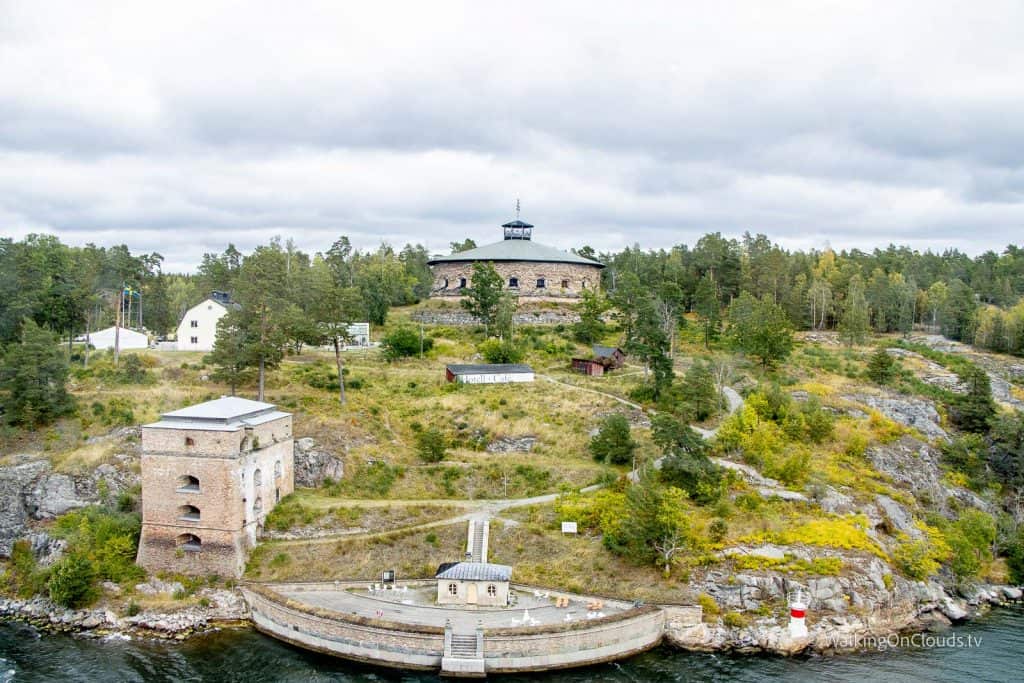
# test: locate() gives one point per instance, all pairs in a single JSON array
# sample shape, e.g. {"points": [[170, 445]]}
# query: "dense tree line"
{"points": [[856, 292]]}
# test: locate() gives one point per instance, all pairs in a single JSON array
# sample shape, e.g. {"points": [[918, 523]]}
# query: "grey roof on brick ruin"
{"points": [[516, 250], [475, 571], [227, 413], [491, 369]]}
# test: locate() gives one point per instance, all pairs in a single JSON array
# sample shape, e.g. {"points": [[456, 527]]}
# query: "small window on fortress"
{"points": [[565, 284], [462, 283], [513, 282], [541, 283], [585, 283], [189, 513], [453, 589], [446, 283], [492, 590], [257, 478], [277, 470], [188, 483], [189, 542], [189, 441]]}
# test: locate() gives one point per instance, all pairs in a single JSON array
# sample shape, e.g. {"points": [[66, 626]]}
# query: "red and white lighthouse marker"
{"points": [[797, 616]]}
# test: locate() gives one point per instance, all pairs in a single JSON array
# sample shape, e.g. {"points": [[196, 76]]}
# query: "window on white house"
{"points": [[194, 323], [492, 590], [195, 340], [453, 589]]}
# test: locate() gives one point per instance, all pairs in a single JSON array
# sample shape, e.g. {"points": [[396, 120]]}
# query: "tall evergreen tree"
{"points": [[33, 377]]}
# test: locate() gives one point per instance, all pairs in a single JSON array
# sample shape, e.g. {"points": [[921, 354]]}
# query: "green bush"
{"points": [[431, 444], [404, 342], [501, 351], [71, 581]]}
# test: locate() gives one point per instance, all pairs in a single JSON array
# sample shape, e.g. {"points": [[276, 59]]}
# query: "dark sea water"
{"points": [[248, 656]]}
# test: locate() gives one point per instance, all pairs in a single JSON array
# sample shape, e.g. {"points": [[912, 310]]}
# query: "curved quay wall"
{"points": [[411, 646]]}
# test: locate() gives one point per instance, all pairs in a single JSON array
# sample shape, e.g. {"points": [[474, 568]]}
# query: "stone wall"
{"points": [[554, 317], [410, 646], [368, 640], [562, 280]]}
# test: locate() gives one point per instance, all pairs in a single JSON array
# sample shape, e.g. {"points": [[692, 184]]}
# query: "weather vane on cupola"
{"points": [[517, 229]]}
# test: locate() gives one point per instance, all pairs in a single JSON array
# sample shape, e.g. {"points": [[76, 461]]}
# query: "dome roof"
{"points": [[516, 250]]}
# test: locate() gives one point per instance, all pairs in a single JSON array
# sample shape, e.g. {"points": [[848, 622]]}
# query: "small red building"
{"points": [[588, 366]]}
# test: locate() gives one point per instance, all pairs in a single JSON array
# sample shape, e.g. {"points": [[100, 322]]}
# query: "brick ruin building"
{"points": [[529, 269], [210, 474]]}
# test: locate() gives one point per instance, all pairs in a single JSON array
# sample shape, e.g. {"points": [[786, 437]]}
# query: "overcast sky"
{"points": [[179, 127]]}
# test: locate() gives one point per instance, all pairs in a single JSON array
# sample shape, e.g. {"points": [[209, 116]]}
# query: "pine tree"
{"points": [[229, 357], [34, 376], [591, 309], [613, 442], [881, 367]]}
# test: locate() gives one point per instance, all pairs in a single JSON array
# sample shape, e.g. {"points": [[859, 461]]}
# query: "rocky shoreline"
{"points": [[934, 610], [222, 609]]}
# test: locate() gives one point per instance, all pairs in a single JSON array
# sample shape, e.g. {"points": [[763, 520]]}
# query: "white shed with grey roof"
{"points": [[496, 373], [473, 583]]}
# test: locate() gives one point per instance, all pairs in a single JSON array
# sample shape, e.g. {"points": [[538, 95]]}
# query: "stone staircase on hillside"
{"points": [[476, 543]]}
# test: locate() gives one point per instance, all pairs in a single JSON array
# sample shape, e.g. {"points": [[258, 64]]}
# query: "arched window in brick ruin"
{"points": [[189, 513], [257, 478], [257, 506], [188, 483], [189, 542]]}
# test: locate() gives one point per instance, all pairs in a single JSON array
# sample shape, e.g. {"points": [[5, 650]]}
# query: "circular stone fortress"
{"points": [[529, 269]]}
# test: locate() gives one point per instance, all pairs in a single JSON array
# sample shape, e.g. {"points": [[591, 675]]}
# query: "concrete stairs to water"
{"points": [[463, 654]]}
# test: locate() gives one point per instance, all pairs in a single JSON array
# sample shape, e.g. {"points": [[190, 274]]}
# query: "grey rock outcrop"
{"points": [[900, 520], [313, 466], [31, 491], [512, 444], [914, 466], [908, 411]]}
